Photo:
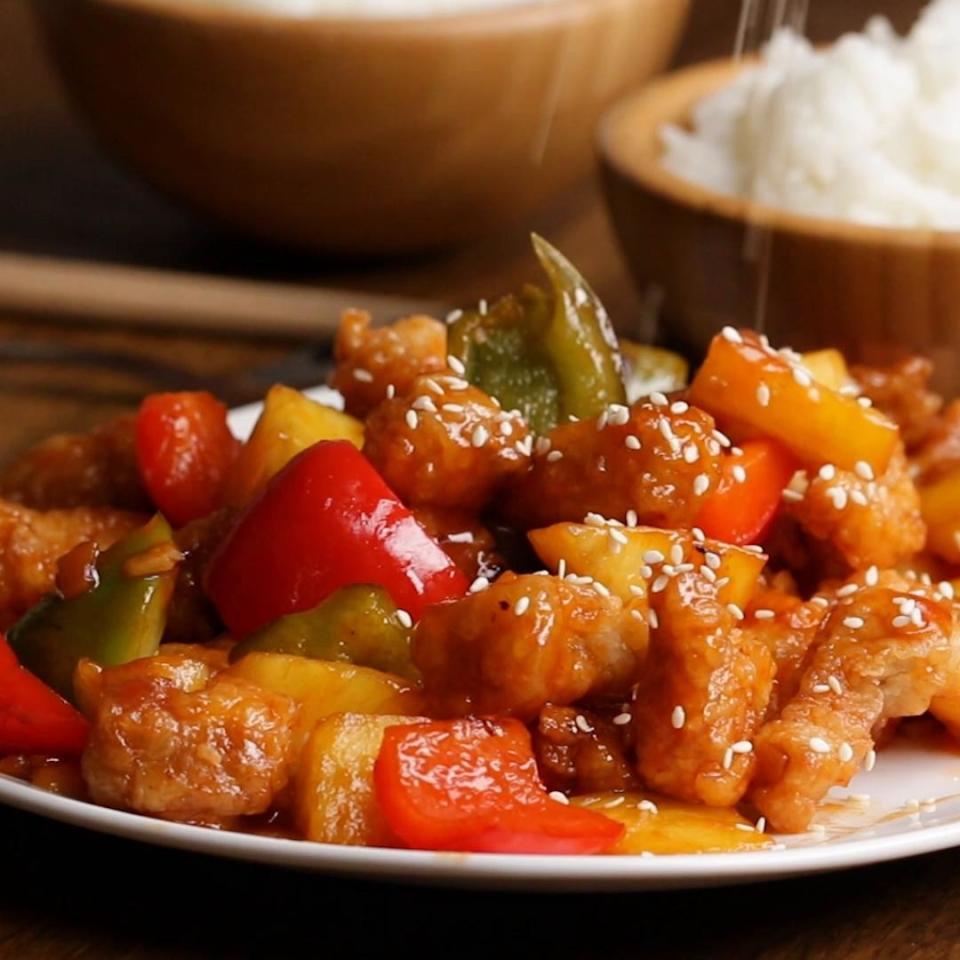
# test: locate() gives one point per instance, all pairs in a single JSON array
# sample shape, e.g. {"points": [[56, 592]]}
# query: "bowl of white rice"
{"points": [[812, 191], [370, 127]]}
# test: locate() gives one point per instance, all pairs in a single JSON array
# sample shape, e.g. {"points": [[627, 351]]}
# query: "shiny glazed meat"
{"points": [[901, 392]]}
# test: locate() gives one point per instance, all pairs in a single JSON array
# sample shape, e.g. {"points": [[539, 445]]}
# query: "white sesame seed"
{"points": [[871, 577], [413, 421], [480, 435], [745, 827], [734, 611], [458, 408], [465, 537], [658, 399], [827, 472], [678, 407], [364, 376], [558, 797], [859, 498], [676, 554], [763, 395], [712, 560], [742, 746], [632, 518], [582, 723], [708, 574], [424, 403], [433, 386], [761, 825], [739, 473], [666, 430], [405, 619], [731, 335], [900, 622], [660, 584], [481, 583], [819, 745], [391, 391], [638, 616], [721, 438], [525, 446], [521, 606], [617, 535], [638, 590], [646, 572], [764, 614], [870, 761], [600, 588], [791, 496], [622, 719], [946, 588], [554, 455], [728, 758], [602, 420], [838, 497], [652, 619], [482, 308], [653, 556], [632, 442], [821, 688], [701, 484], [863, 470], [649, 806], [853, 623], [835, 685], [847, 590], [846, 752], [618, 414], [802, 377], [678, 717]]}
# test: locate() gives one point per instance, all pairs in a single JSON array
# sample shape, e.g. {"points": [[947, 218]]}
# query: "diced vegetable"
{"points": [[940, 506], [828, 367], [646, 369], [324, 687], [326, 521], [122, 618], [184, 452], [753, 389], [750, 493], [548, 356], [333, 792], [34, 718], [358, 624], [472, 785], [617, 563], [290, 422], [666, 826]]}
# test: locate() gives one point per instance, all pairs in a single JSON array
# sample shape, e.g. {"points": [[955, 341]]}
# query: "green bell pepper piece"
{"points": [[357, 624], [121, 618], [647, 369], [550, 356]]}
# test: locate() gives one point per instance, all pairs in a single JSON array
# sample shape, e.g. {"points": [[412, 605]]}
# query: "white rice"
{"points": [[867, 130], [390, 9]]}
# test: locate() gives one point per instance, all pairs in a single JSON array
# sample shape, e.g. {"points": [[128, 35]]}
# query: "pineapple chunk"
{"points": [[751, 388], [828, 367], [669, 826], [290, 422], [333, 792], [616, 558], [940, 506], [323, 687]]}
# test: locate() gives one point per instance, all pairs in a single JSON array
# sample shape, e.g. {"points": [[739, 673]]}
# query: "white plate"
{"points": [[898, 820]]}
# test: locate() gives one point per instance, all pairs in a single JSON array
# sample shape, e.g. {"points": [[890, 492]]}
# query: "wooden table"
{"points": [[67, 893]]}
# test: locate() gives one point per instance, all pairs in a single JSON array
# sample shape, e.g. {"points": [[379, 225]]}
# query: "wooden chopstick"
{"points": [[93, 292]]}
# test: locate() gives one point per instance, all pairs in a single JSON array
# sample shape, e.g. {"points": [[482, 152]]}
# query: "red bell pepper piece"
{"points": [[472, 785], [33, 717], [184, 451], [326, 520], [741, 511]]}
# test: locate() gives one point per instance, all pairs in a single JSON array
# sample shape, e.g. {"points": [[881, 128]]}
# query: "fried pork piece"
{"points": [[465, 540], [95, 469], [659, 460], [900, 391], [702, 696], [869, 521], [579, 751], [372, 359], [883, 653], [31, 542], [446, 444], [174, 738], [940, 451], [520, 644]]}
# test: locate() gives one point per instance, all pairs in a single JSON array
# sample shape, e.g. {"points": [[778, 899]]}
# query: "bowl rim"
{"points": [[643, 169], [523, 14]]}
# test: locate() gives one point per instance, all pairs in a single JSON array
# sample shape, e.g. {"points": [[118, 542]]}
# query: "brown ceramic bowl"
{"points": [[356, 135], [872, 291]]}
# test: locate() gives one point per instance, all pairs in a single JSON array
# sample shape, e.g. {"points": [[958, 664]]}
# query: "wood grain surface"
{"points": [[65, 893]]}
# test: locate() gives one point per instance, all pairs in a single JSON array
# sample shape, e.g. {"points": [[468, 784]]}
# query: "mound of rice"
{"points": [[867, 130]]}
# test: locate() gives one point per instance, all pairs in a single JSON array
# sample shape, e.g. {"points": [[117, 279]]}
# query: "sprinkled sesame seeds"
{"points": [[838, 496], [521, 606], [764, 614], [678, 717], [554, 455], [863, 470], [433, 386], [582, 723], [818, 745], [679, 406], [701, 484], [456, 365], [734, 611], [632, 518], [600, 588], [480, 435], [632, 442], [618, 535], [802, 377], [676, 554], [853, 623], [653, 556], [480, 584], [391, 391], [821, 688], [559, 797], [865, 402], [847, 590], [413, 421], [763, 395], [728, 758], [712, 560], [660, 584], [653, 621], [871, 577], [859, 498], [900, 621], [364, 376], [742, 746], [845, 752], [649, 806], [739, 473], [622, 719], [731, 335], [834, 684], [827, 472], [761, 825], [721, 438], [870, 761], [658, 399], [405, 619], [618, 414], [424, 403]]}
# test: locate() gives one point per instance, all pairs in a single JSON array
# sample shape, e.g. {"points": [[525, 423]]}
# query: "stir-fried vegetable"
{"points": [[358, 624], [120, 618], [647, 369], [326, 521], [549, 356]]}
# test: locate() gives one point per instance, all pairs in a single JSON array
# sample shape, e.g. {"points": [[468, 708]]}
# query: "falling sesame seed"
{"points": [[679, 407], [405, 619], [653, 556], [701, 484], [658, 399], [835, 685], [819, 745], [521, 606], [480, 584], [764, 614], [739, 473], [731, 335], [870, 761], [559, 797], [454, 315], [728, 758], [853, 623], [763, 395], [871, 577], [653, 620], [827, 472], [734, 611], [845, 752], [582, 723], [413, 421], [632, 442], [742, 746], [649, 806], [364, 376], [678, 717], [456, 365], [622, 719]]}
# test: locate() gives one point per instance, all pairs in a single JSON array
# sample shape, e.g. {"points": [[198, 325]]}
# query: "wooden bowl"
{"points": [[710, 260], [356, 135]]}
